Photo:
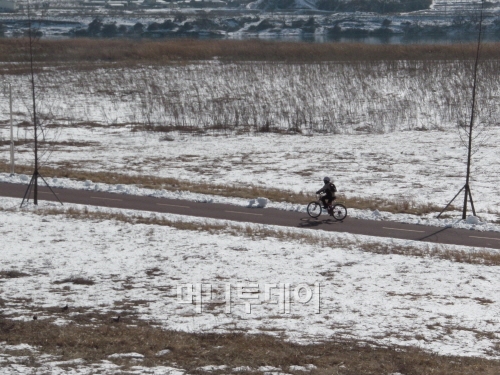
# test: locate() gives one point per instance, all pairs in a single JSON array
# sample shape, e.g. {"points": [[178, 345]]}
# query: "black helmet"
{"points": [[326, 180]]}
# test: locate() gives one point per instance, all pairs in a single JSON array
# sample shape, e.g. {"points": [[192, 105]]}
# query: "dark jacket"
{"points": [[328, 189]]}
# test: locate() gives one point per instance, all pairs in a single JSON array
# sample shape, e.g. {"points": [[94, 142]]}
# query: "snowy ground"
{"points": [[414, 166], [47, 364], [438, 305]]}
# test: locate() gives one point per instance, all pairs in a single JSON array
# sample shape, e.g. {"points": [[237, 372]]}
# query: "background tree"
{"points": [[38, 116], [95, 27], [109, 30], [471, 130]]}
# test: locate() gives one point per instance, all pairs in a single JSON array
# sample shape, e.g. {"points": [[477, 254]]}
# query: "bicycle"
{"points": [[337, 210]]}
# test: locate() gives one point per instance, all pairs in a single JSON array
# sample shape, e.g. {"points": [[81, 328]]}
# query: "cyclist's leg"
{"points": [[330, 198], [324, 199]]}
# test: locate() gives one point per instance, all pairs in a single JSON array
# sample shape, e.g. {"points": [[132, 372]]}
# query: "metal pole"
{"points": [[11, 133]]}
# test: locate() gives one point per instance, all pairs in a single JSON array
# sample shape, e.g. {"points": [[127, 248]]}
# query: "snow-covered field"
{"points": [[134, 269], [139, 270]]}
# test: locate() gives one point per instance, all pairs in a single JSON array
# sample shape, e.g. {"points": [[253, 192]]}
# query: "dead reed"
{"points": [[204, 97]]}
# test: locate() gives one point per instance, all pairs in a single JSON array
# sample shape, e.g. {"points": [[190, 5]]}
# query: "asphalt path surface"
{"points": [[270, 216]]}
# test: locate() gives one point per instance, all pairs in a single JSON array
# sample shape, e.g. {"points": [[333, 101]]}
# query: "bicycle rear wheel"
{"points": [[339, 211], [314, 209]]}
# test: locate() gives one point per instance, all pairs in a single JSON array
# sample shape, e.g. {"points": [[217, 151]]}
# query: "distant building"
{"points": [[8, 6]]}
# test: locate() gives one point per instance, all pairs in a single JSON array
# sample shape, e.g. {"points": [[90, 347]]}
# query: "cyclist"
{"points": [[329, 189]]}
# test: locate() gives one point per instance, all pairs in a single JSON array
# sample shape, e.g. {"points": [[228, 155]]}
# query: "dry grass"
{"points": [[12, 274], [190, 351], [76, 281], [484, 257], [246, 192], [131, 52], [170, 184], [268, 87]]}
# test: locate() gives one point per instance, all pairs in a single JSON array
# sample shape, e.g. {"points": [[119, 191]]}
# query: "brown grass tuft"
{"points": [[76, 281], [12, 274]]}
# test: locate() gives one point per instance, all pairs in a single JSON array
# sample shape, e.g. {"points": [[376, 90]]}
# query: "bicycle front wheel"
{"points": [[314, 209], [339, 211]]}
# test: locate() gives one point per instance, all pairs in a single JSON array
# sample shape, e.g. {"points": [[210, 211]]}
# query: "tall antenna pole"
{"points": [[471, 125]]}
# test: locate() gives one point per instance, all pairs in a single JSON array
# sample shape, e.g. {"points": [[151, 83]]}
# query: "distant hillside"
{"points": [[377, 6]]}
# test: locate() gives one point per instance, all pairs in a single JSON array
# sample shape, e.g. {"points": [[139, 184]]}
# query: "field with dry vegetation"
{"points": [[93, 290], [254, 86], [174, 352]]}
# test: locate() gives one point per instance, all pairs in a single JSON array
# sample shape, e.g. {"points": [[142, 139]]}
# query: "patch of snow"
{"points": [[242, 369], [268, 368], [157, 370], [126, 355], [474, 220], [4, 346], [212, 368], [298, 368], [262, 202]]}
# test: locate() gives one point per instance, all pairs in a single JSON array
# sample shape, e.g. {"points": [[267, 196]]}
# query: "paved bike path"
{"points": [[263, 216]]}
